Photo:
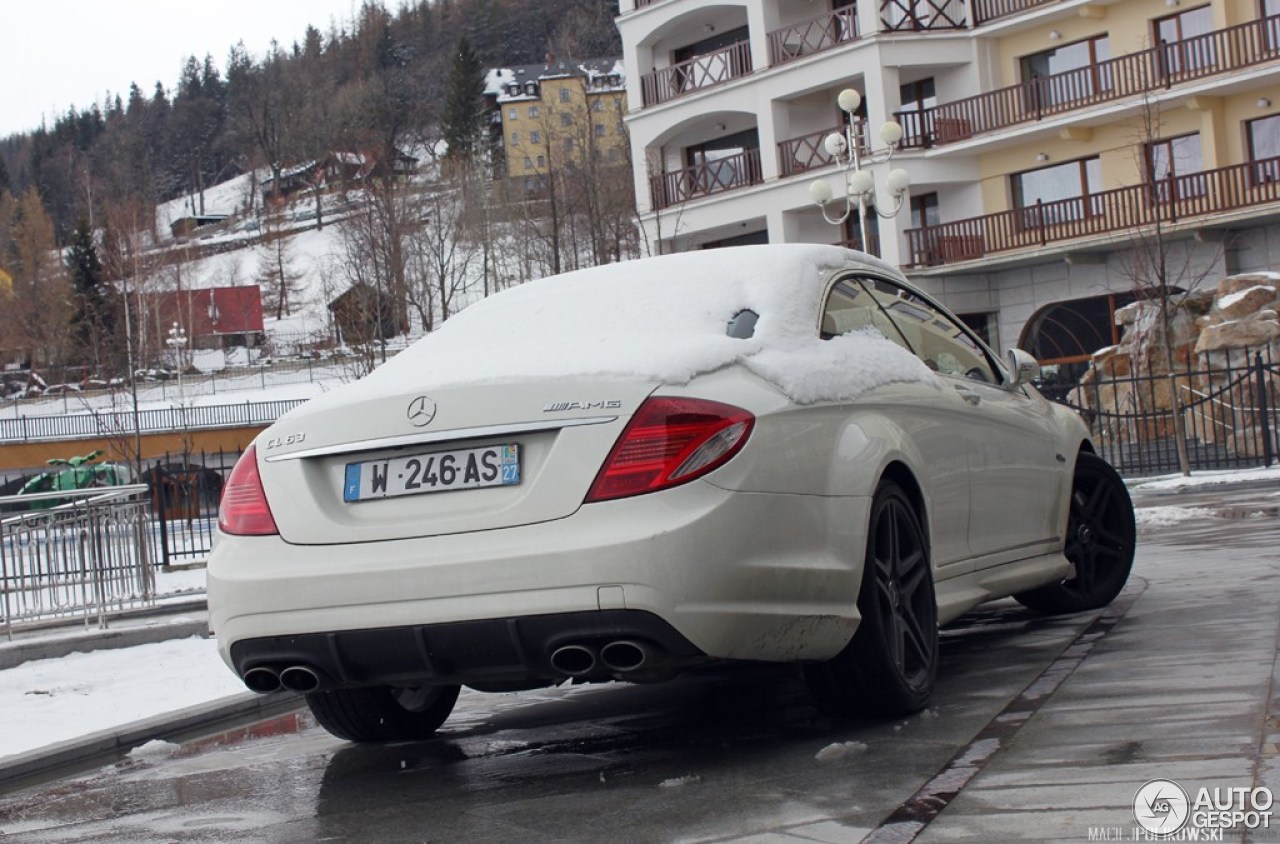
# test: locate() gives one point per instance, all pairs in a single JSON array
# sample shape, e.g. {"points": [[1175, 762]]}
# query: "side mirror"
{"points": [[1022, 367]]}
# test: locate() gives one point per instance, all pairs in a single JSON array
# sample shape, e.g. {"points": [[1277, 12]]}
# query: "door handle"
{"points": [[968, 395]]}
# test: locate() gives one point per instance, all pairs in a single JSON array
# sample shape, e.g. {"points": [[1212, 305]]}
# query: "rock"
{"points": [[1234, 283], [1238, 334], [1233, 306]]}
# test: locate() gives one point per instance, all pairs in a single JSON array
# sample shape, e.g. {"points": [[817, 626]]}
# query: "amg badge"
{"points": [[606, 404]]}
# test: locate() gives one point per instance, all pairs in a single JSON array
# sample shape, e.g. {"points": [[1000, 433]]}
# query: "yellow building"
{"points": [[1044, 141], [560, 115]]}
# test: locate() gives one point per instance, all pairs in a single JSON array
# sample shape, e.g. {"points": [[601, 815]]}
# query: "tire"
{"points": [[1101, 537], [889, 666], [383, 713]]}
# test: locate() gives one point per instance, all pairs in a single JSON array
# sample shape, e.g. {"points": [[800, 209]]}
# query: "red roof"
{"points": [[212, 311]]}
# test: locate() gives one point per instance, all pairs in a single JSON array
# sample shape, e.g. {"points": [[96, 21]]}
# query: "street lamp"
{"points": [[847, 148], [178, 341]]}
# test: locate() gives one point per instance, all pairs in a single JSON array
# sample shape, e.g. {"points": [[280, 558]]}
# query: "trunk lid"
{"points": [[363, 466]]}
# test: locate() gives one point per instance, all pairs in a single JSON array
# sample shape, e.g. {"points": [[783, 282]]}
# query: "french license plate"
{"points": [[439, 471]]}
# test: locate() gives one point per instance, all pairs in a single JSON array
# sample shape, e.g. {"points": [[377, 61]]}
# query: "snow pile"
{"points": [[1166, 516], [839, 750], [680, 782], [154, 749], [1230, 299], [660, 320]]}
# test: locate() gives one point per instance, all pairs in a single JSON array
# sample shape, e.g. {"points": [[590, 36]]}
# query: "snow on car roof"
{"points": [[662, 320]]}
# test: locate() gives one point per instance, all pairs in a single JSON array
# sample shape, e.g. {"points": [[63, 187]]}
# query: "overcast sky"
{"points": [[59, 53]]}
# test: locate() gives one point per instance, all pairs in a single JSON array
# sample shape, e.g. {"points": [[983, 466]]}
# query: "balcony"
{"points": [[989, 10], [813, 36], [1186, 197], [1154, 69], [696, 73], [807, 152], [921, 15], [711, 177]]}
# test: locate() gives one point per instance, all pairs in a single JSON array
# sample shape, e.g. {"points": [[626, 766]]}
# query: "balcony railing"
{"points": [[1194, 195], [989, 10], [807, 152], [921, 15], [813, 36], [696, 73], [1160, 67], [718, 176]]}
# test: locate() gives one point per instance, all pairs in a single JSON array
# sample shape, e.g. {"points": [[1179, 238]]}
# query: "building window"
{"points": [[564, 95], [1173, 167], [566, 119], [512, 113], [599, 130], [535, 137], [515, 139], [612, 154], [542, 161], [598, 104], [1264, 148], [1057, 194], [917, 98], [924, 210], [533, 111], [1176, 35], [1271, 10], [568, 144], [1066, 74], [528, 162]]}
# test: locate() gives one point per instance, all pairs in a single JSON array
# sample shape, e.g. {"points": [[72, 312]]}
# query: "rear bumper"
{"points": [[732, 575]]}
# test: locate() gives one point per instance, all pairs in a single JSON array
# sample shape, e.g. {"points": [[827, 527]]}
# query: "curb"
{"points": [[94, 639], [99, 747]]}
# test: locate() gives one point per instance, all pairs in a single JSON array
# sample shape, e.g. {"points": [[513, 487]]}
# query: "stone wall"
{"points": [[1213, 335]]}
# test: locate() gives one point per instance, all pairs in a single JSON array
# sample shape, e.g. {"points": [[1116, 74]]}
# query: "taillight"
{"points": [[244, 510], [670, 441]]}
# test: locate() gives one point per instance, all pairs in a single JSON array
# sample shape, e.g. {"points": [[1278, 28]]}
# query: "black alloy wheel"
{"points": [[1100, 542], [889, 666], [383, 713]]}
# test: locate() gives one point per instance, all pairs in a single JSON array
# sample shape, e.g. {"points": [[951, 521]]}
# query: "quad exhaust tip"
{"points": [[265, 679], [624, 656], [618, 657], [262, 680], [574, 660]]}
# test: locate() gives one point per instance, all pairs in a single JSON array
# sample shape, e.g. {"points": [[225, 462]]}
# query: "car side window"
{"points": [[850, 307], [917, 325], [940, 341]]}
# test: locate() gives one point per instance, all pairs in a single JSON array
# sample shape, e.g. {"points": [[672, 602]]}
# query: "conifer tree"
{"points": [[462, 122], [93, 321]]}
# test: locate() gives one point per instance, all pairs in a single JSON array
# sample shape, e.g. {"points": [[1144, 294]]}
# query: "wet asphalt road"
{"points": [[724, 756]]}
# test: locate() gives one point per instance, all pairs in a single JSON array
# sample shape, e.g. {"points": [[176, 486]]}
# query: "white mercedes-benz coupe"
{"points": [[783, 454]]}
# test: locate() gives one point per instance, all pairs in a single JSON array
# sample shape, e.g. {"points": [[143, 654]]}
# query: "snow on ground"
{"points": [[1204, 479], [1166, 516], [52, 700]]}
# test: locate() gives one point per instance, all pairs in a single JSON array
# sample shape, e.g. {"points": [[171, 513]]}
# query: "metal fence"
{"points": [[111, 423], [1227, 400], [82, 553], [185, 491]]}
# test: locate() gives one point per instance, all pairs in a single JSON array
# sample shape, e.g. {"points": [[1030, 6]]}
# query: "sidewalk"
{"points": [[71, 696]]}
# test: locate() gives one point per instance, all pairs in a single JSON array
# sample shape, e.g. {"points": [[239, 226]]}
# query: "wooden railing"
{"points": [[813, 36], [1153, 69], [988, 10], [718, 176], [696, 73], [921, 15], [1194, 195], [808, 152], [799, 155]]}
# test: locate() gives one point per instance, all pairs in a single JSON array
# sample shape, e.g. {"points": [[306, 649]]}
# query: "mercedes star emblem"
{"points": [[421, 411]]}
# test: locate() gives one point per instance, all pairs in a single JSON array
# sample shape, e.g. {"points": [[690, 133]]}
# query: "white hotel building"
{"points": [[1042, 138]]}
